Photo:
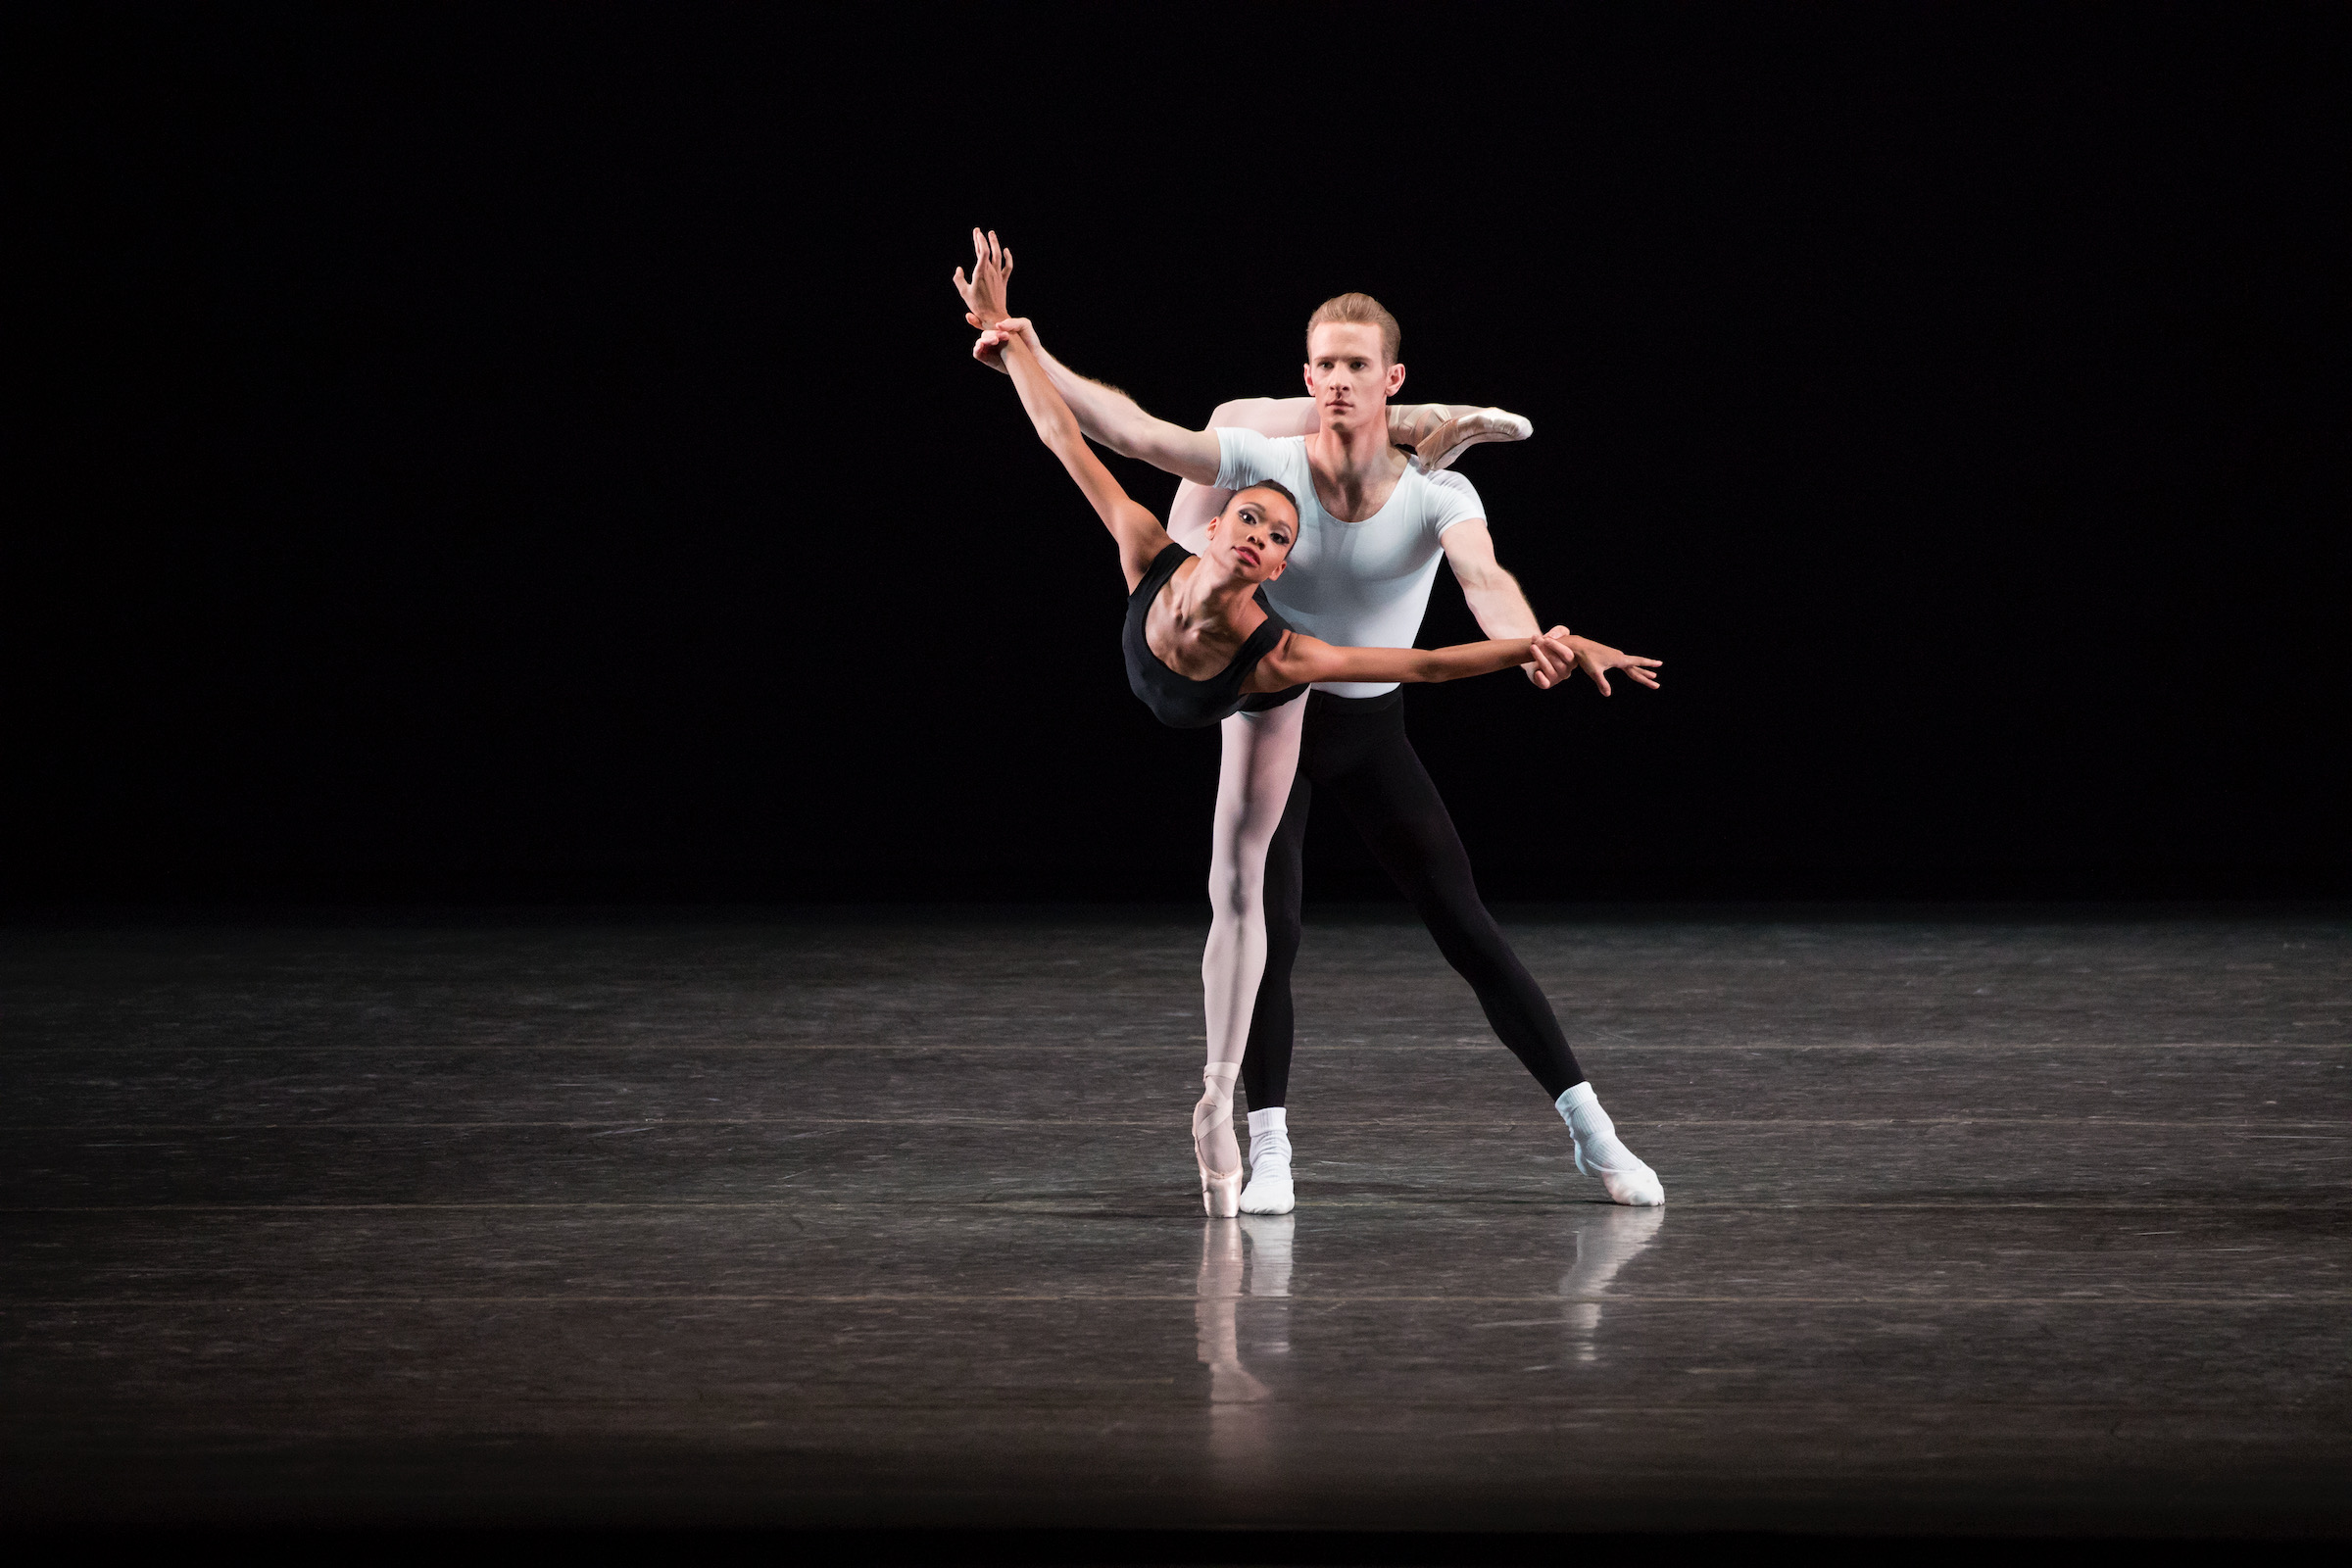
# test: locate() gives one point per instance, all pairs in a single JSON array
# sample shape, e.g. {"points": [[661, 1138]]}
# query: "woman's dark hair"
{"points": [[1280, 489]]}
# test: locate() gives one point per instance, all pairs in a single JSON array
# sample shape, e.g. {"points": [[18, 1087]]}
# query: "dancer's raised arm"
{"points": [[1139, 533], [1112, 418], [1105, 412]]}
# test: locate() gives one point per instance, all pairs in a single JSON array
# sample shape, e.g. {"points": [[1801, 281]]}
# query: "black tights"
{"points": [[1355, 748]]}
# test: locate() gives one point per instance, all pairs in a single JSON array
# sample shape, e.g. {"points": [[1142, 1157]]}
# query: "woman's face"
{"points": [[1252, 538]]}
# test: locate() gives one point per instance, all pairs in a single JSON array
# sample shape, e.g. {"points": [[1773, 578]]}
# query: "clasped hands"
{"points": [[984, 300]]}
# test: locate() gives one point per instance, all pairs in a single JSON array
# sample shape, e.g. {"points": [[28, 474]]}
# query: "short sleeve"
{"points": [[1453, 499], [1245, 458]]}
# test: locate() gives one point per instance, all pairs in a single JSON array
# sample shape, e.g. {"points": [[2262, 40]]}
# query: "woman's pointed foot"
{"points": [[1221, 1193], [1449, 440], [1216, 1150]]}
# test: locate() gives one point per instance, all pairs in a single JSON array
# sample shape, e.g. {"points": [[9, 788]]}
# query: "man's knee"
{"points": [[1470, 940]]}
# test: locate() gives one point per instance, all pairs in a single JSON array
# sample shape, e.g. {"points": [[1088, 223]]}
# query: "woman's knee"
{"points": [[1234, 893]]}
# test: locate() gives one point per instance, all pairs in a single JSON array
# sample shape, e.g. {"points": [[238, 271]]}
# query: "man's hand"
{"points": [[989, 349], [1597, 659], [1553, 659], [991, 268]]}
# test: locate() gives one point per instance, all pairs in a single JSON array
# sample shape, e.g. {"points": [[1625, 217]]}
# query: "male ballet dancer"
{"points": [[1372, 524]]}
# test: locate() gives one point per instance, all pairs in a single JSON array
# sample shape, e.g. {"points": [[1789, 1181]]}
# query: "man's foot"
{"points": [[1600, 1153], [1449, 440], [1269, 1189]]}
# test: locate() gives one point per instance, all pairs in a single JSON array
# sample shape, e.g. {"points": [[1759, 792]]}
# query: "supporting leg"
{"points": [[1260, 758]]}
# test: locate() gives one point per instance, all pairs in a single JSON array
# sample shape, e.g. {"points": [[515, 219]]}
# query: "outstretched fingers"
{"points": [[991, 265]]}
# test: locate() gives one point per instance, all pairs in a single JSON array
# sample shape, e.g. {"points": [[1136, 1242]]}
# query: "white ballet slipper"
{"points": [[1601, 1154], [1269, 1191]]}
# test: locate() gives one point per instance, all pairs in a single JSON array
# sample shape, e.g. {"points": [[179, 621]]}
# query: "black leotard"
{"points": [[1195, 703]]}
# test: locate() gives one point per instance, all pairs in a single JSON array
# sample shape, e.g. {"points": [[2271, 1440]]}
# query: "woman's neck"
{"points": [[1206, 594]]}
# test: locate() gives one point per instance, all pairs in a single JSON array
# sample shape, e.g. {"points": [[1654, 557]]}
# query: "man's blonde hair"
{"points": [[1362, 309]]}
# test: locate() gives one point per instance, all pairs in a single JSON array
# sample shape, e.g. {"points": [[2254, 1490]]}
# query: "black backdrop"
{"points": [[531, 453]]}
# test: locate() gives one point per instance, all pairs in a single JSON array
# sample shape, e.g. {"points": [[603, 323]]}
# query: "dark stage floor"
{"points": [[2031, 1224]]}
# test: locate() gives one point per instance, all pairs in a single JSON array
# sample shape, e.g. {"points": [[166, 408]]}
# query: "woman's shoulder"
{"points": [[1163, 566]]}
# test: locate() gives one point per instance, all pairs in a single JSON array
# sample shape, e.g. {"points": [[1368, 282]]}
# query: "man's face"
{"points": [[1348, 375]]}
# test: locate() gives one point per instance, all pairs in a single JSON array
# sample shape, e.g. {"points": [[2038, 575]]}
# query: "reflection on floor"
{"points": [[1972, 1225]]}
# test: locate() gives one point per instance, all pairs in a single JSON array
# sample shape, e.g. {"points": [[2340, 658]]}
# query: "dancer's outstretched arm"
{"points": [[1112, 418], [1408, 422], [1139, 533], [1300, 659]]}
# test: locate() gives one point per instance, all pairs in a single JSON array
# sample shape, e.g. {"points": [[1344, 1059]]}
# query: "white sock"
{"points": [[1269, 1136], [1269, 1191], [1600, 1153]]}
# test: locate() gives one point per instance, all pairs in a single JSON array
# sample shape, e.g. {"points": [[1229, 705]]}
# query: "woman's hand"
{"points": [[989, 349], [1597, 659], [992, 269]]}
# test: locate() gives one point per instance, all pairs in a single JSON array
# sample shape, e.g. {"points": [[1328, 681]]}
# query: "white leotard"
{"points": [[1354, 584]]}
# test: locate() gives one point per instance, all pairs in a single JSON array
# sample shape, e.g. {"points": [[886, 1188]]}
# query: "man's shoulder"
{"points": [[1268, 456], [1241, 435], [1450, 497]]}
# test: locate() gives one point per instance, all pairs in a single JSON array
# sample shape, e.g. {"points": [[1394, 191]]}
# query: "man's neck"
{"points": [[1356, 469]]}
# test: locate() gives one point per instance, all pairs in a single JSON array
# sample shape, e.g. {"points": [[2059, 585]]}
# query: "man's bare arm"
{"points": [[1492, 594], [1105, 412], [1503, 610], [1112, 418], [1109, 416]]}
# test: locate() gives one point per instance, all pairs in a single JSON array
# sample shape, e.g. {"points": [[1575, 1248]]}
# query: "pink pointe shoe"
{"points": [[1457, 435], [1212, 1134]]}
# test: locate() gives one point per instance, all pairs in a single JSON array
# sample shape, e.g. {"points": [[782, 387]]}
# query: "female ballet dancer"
{"points": [[1202, 642]]}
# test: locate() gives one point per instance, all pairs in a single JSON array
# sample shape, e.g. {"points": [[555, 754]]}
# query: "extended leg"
{"points": [[1260, 756], [1390, 798], [1393, 804]]}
